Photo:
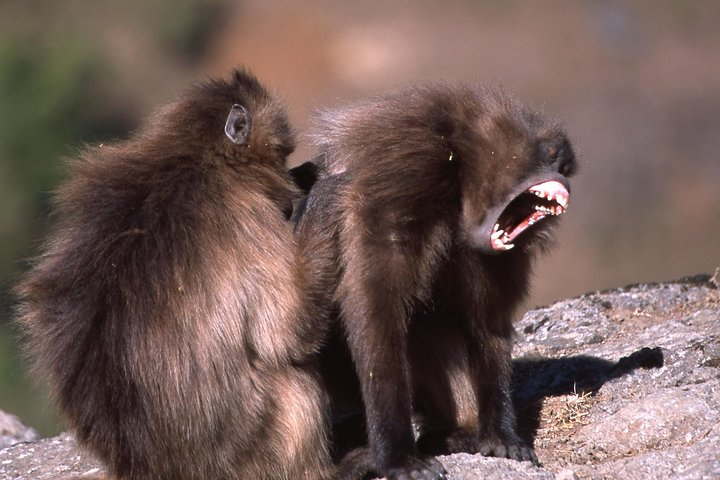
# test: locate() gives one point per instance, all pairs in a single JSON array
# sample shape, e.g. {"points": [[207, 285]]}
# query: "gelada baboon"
{"points": [[167, 310], [433, 204]]}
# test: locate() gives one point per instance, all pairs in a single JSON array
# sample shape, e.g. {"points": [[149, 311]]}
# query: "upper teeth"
{"points": [[558, 198]]}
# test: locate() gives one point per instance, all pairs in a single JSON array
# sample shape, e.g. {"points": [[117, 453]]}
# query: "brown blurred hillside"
{"points": [[636, 83]]}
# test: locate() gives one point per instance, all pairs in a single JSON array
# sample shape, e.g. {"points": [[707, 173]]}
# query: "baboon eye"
{"points": [[550, 149]]}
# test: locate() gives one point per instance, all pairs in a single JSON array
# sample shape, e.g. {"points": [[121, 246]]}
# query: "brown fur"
{"points": [[425, 311], [166, 310]]}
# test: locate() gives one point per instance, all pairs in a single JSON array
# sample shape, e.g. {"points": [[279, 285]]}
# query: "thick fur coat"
{"points": [[399, 224], [167, 311]]}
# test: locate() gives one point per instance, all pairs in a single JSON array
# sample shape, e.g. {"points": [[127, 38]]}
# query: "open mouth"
{"points": [[549, 198], [530, 205]]}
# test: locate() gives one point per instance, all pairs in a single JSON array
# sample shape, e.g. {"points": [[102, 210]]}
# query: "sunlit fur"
{"points": [[167, 310], [426, 315]]}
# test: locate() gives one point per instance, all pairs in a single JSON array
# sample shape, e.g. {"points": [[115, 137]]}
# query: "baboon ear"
{"points": [[237, 126]]}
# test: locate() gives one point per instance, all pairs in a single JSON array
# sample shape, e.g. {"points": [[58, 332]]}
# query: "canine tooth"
{"points": [[499, 245], [508, 246]]}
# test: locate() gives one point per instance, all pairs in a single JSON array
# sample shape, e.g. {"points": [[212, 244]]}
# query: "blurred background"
{"points": [[635, 82]]}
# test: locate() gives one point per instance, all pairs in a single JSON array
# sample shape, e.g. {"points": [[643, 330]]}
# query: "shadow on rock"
{"points": [[537, 378]]}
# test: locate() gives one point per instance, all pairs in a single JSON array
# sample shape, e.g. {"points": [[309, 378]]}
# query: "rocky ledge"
{"points": [[615, 384]]}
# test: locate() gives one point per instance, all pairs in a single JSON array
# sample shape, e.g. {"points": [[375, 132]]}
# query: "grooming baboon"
{"points": [[168, 309], [424, 221]]}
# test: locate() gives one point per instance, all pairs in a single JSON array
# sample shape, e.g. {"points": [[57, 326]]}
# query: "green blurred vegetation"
{"points": [[58, 91], [48, 102]]}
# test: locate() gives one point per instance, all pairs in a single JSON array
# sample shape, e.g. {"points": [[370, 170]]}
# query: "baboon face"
{"points": [[516, 179]]}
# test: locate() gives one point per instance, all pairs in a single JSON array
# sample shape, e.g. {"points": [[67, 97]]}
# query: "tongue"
{"points": [[524, 225]]}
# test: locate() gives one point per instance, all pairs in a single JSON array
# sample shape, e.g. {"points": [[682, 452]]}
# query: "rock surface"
{"points": [[48, 459], [614, 384], [13, 431], [625, 383]]}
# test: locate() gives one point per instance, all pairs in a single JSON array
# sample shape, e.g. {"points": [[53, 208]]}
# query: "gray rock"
{"points": [[632, 389], [615, 384], [48, 459], [13, 431], [475, 467]]}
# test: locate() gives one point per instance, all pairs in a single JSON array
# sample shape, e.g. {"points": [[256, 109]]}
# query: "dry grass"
{"points": [[561, 415]]}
